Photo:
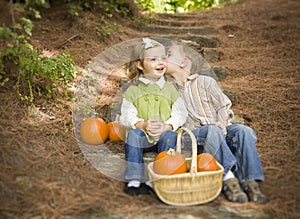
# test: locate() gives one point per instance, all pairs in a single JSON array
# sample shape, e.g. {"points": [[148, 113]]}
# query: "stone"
{"points": [[211, 55], [231, 94], [220, 72]]}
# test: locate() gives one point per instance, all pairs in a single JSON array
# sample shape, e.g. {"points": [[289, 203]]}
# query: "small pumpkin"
{"points": [[169, 162], [206, 162], [116, 131], [94, 131]]}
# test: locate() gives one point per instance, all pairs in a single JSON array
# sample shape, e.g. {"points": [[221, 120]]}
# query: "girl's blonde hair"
{"points": [[137, 56]]}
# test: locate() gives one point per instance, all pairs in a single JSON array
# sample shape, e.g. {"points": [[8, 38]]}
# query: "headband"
{"points": [[147, 43]]}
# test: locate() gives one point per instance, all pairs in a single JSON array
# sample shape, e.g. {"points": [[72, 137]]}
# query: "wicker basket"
{"points": [[190, 188]]}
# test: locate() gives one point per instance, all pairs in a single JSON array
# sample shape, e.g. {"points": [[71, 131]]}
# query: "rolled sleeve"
{"points": [[221, 102], [129, 114]]}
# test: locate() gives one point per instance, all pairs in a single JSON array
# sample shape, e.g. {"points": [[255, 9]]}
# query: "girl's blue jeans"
{"points": [[137, 144], [236, 151]]}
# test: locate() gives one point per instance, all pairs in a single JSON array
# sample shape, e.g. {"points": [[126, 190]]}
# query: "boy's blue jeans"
{"points": [[137, 144], [237, 151]]}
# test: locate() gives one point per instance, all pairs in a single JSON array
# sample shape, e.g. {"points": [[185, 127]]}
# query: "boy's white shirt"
{"points": [[129, 112]]}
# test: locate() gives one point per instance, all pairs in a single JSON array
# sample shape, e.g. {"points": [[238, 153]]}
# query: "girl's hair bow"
{"points": [[147, 43]]}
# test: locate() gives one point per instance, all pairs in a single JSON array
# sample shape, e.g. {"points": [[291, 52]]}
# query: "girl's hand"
{"points": [[155, 128]]}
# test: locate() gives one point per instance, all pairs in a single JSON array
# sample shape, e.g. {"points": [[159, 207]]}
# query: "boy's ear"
{"points": [[184, 62], [139, 65]]}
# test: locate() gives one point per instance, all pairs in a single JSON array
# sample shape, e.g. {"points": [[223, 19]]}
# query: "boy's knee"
{"points": [[216, 129], [171, 133], [216, 132]]}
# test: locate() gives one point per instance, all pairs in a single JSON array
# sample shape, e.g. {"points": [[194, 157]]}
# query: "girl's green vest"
{"points": [[152, 102]]}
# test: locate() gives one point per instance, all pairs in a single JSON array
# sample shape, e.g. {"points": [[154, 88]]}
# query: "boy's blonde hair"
{"points": [[137, 56], [199, 64]]}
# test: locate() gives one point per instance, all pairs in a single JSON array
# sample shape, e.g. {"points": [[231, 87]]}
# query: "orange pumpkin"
{"points": [[116, 131], [206, 162], [94, 131], [169, 162]]}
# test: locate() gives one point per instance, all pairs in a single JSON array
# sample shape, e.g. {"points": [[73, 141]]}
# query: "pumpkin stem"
{"points": [[171, 152]]}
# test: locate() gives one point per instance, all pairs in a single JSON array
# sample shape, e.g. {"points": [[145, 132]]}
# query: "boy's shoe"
{"points": [[133, 191], [251, 188], [233, 192]]}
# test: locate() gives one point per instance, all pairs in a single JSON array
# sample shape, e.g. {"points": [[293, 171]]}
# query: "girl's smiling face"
{"points": [[154, 63]]}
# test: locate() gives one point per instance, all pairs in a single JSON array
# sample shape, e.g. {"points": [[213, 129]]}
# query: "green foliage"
{"points": [[106, 28], [106, 7], [172, 6], [34, 74], [33, 6], [147, 5]]}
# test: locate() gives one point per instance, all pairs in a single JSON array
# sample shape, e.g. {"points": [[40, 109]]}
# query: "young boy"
{"points": [[233, 145]]}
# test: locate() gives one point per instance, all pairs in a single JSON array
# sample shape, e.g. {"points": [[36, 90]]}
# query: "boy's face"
{"points": [[154, 63], [175, 59]]}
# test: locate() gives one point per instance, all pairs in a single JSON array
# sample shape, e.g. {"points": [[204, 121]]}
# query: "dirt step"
{"points": [[176, 23], [177, 16], [177, 30], [196, 41]]}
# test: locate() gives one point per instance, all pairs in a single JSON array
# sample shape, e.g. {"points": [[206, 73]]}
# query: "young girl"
{"points": [[152, 110]]}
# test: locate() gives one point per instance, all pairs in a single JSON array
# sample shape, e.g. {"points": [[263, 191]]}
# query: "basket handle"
{"points": [[193, 168]]}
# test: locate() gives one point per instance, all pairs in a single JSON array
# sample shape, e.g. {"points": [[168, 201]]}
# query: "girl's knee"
{"points": [[169, 137], [136, 137], [170, 133], [136, 133]]}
